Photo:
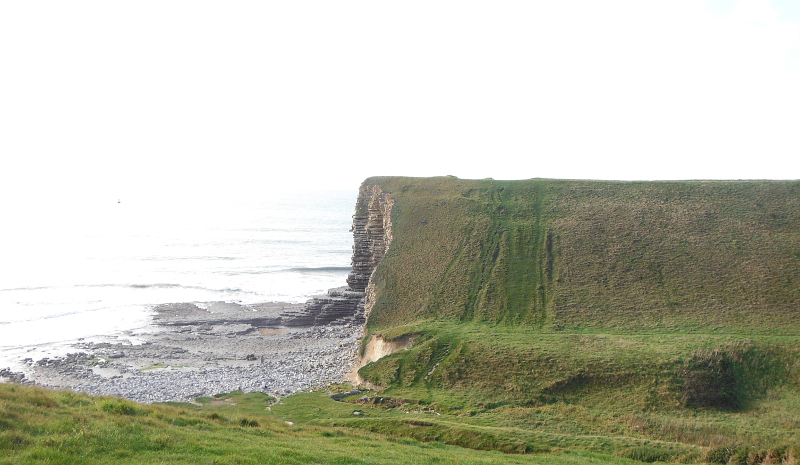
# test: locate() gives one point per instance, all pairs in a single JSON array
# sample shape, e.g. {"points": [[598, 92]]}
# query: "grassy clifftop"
{"points": [[660, 310], [591, 255]]}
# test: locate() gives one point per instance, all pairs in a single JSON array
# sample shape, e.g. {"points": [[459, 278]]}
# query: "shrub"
{"points": [[648, 454], [709, 381], [121, 407], [246, 422], [721, 454]]}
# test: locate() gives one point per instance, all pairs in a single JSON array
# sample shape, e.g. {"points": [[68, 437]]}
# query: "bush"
{"points": [[648, 454], [721, 454], [246, 422], [121, 407], [709, 381]]}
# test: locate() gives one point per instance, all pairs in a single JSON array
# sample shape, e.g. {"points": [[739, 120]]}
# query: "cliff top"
{"points": [[592, 255]]}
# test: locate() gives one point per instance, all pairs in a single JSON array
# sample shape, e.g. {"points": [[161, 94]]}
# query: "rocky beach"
{"points": [[195, 349], [202, 349]]}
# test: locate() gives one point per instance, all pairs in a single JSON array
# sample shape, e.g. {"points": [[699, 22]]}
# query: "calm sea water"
{"points": [[80, 270]]}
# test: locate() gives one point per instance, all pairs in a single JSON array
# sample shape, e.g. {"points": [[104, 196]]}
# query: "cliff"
{"points": [[372, 234], [603, 298], [591, 255]]}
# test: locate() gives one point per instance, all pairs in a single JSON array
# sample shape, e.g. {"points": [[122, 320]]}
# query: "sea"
{"points": [[93, 270]]}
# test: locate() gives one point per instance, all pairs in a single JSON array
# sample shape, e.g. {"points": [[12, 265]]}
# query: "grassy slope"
{"points": [[676, 256], [39, 426], [665, 310]]}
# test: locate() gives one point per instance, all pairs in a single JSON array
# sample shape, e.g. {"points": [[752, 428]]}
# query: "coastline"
{"points": [[202, 349]]}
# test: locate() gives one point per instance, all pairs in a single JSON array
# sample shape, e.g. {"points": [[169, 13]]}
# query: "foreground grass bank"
{"points": [[40, 426]]}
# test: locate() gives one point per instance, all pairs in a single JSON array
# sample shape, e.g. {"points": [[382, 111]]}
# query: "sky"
{"points": [[102, 99]]}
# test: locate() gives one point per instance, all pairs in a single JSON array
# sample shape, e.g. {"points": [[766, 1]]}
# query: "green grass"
{"points": [[593, 255], [40, 426], [596, 313], [736, 390]]}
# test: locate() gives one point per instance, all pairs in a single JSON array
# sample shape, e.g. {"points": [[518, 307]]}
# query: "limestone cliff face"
{"points": [[372, 234]]}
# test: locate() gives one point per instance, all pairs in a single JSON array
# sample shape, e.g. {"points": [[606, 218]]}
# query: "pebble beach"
{"points": [[201, 349]]}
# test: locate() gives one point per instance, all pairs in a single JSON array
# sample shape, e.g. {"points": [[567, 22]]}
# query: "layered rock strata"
{"points": [[372, 234]]}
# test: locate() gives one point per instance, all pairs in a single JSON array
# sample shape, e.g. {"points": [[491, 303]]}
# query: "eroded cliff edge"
{"points": [[372, 234]]}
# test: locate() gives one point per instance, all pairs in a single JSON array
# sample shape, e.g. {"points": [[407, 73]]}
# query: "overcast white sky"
{"points": [[121, 99]]}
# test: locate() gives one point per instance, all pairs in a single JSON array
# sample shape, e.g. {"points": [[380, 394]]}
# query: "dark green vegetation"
{"points": [[598, 312]]}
